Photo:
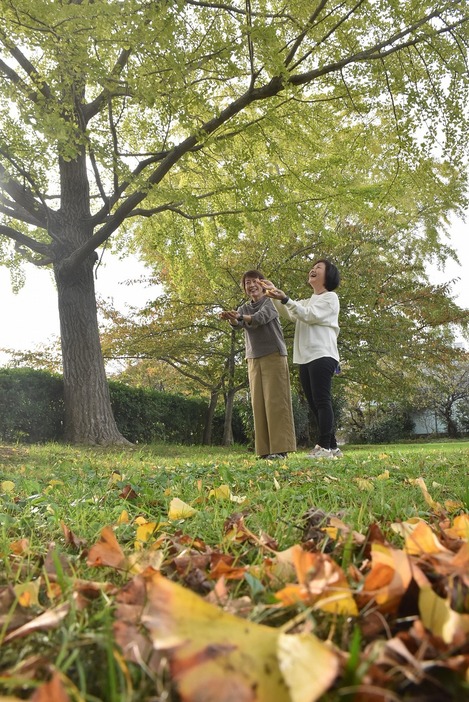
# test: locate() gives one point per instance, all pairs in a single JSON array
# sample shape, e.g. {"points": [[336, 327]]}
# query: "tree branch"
{"points": [[21, 239]]}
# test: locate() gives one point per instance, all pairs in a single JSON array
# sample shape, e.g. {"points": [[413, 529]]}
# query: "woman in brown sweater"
{"points": [[269, 377]]}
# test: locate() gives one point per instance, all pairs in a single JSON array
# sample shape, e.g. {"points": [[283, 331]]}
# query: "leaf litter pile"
{"points": [[377, 614]]}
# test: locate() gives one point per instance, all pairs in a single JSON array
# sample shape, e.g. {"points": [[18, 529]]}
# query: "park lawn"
{"points": [[214, 518]]}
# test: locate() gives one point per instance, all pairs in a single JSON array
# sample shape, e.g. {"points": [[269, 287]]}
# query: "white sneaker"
{"points": [[337, 452], [320, 452]]}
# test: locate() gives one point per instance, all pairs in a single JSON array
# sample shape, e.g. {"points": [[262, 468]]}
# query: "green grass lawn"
{"points": [[43, 488]]}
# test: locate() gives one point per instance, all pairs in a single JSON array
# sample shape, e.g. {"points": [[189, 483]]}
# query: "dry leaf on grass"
{"points": [[180, 510], [51, 691], [217, 656], [321, 583], [107, 551], [48, 620]]}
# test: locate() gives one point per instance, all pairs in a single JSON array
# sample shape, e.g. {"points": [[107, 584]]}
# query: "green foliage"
{"points": [[382, 424], [31, 410], [31, 405], [145, 415]]}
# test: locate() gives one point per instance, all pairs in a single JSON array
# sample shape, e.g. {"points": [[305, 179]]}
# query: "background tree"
{"points": [[187, 338], [115, 112], [444, 392]]}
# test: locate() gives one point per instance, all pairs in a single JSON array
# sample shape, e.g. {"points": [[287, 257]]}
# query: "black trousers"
{"points": [[316, 381]]}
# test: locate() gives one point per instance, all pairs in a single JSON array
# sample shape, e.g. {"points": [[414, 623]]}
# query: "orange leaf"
{"points": [[391, 573], [322, 583], [423, 540], [107, 551], [19, 547], [52, 691]]}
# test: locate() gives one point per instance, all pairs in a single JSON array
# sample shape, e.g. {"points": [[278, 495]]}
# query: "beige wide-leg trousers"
{"points": [[269, 383]]}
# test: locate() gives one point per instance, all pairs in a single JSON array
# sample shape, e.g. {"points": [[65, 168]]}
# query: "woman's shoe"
{"points": [[320, 452], [337, 452]]}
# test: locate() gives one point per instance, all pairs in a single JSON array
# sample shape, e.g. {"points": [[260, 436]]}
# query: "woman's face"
{"points": [[253, 288], [317, 275]]}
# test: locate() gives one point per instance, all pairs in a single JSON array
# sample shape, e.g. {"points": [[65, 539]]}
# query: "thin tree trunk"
{"points": [[207, 437], [228, 424]]}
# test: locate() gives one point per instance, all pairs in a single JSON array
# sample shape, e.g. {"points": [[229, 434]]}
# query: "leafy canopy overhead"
{"points": [[143, 88]]}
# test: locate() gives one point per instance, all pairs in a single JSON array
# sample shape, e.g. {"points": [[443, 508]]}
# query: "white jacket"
{"points": [[316, 326]]}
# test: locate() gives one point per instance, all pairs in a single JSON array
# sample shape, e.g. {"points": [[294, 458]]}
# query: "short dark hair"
{"points": [[332, 278], [251, 274]]}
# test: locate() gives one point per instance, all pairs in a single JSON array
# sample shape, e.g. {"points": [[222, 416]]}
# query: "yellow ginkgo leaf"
{"points": [[180, 510], [123, 517], [383, 476], [218, 656], [460, 528], [140, 560], [144, 531], [422, 540], [427, 497], [308, 666], [407, 527], [7, 486], [222, 492], [440, 619], [364, 484]]}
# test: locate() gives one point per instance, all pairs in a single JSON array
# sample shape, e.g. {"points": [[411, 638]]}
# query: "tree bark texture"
{"points": [[88, 414], [207, 437]]}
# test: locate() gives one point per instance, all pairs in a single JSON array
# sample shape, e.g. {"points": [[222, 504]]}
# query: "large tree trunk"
{"points": [[88, 414]]}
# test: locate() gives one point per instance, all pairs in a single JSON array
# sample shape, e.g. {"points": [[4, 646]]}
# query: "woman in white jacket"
{"points": [[315, 347]]}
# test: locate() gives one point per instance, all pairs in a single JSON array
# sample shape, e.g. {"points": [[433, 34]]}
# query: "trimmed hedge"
{"points": [[144, 415], [32, 410]]}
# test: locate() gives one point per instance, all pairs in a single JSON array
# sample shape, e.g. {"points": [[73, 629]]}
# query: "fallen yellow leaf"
{"points": [[423, 540], [437, 616], [7, 486], [460, 528], [364, 484], [216, 655], [307, 665], [144, 531], [123, 517], [180, 510], [222, 492]]}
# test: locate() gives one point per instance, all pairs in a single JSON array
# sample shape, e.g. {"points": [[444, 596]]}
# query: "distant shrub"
{"points": [[31, 405], [394, 424]]}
